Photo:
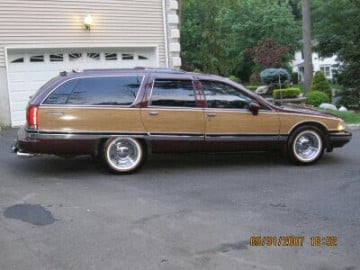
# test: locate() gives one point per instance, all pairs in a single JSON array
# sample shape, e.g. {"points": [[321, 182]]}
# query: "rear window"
{"points": [[97, 91]]}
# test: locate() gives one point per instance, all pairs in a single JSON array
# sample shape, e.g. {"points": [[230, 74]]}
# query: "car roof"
{"points": [[137, 70]]}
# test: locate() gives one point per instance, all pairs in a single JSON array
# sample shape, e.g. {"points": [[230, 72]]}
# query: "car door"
{"points": [[173, 112], [227, 115]]}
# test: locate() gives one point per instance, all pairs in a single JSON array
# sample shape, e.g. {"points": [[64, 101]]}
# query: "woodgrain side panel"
{"points": [[77, 119], [289, 121], [182, 120], [241, 122]]}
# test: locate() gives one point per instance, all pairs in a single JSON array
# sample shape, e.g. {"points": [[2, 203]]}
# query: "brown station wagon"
{"points": [[122, 115]]}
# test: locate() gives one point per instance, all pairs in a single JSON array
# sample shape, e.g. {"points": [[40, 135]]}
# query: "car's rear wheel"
{"points": [[306, 145], [123, 155]]}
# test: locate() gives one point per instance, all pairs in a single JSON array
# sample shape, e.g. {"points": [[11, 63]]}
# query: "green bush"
{"points": [[286, 93], [234, 78], [316, 98], [320, 83], [252, 87]]}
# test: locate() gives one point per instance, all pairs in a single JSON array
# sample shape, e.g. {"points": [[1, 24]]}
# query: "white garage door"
{"points": [[29, 70]]}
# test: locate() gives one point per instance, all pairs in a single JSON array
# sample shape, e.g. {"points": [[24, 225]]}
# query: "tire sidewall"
{"points": [[293, 137]]}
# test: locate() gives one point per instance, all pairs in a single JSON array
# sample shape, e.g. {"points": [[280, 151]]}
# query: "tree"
{"points": [[320, 83], [336, 30], [215, 34], [307, 46], [268, 54]]}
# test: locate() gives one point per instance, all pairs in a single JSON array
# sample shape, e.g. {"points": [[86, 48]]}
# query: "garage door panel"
{"points": [[18, 115], [21, 96], [27, 77]]}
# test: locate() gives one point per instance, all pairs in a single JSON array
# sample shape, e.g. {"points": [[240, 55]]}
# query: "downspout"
{"points": [[166, 34]]}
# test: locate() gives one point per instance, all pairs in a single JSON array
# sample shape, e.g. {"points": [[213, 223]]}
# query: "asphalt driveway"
{"points": [[180, 212]]}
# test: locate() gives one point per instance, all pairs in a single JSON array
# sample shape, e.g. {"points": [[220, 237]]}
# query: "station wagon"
{"points": [[123, 115]]}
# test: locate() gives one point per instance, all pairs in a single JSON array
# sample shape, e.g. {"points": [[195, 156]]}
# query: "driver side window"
{"points": [[220, 95]]}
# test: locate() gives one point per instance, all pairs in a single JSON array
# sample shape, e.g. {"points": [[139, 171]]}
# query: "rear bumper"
{"points": [[28, 144], [339, 139]]}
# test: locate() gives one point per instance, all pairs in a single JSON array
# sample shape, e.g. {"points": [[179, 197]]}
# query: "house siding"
{"points": [[59, 23], [43, 26]]}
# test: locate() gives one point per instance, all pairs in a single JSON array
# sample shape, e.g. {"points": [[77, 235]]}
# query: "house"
{"points": [[328, 65], [39, 39]]}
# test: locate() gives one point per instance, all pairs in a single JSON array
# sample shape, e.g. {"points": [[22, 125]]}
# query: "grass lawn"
{"points": [[349, 117]]}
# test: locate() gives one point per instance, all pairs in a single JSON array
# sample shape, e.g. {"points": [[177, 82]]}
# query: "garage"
{"points": [[29, 69]]}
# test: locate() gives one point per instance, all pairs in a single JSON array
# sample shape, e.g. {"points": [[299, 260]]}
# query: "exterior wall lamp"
{"points": [[88, 21]]}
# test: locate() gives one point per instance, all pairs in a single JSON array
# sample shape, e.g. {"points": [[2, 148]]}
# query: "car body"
{"points": [[124, 114]]}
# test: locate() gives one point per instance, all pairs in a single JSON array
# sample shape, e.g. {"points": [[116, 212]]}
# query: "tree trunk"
{"points": [[306, 25]]}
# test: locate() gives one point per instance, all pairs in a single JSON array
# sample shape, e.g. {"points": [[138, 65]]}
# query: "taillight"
{"points": [[32, 117]]}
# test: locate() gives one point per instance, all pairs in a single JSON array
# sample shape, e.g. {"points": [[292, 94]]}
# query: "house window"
{"points": [[56, 57], [326, 70], [110, 56], [37, 58], [74, 56], [126, 56], [94, 56], [18, 60]]}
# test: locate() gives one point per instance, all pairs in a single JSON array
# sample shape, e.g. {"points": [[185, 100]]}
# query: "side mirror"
{"points": [[254, 108]]}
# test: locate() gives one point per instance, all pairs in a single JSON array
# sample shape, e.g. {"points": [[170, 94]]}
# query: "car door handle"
{"points": [[152, 113], [211, 114]]}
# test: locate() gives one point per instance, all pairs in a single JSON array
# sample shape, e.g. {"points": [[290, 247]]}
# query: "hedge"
{"points": [[286, 93], [252, 87], [316, 98]]}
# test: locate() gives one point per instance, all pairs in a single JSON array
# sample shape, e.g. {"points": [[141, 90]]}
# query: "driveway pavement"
{"points": [[180, 212]]}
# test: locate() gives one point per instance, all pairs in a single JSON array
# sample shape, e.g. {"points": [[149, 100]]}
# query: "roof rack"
{"points": [[155, 70], [169, 70]]}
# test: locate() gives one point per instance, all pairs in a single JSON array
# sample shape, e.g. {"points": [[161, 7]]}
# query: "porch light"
{"points": [[88, 21]]}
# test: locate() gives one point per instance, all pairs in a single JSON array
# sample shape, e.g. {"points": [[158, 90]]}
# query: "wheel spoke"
{"points": [[123, 154], [307, 146]]}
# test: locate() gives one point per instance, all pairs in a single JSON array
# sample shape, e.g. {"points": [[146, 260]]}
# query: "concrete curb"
{"points": [[353, 126]]}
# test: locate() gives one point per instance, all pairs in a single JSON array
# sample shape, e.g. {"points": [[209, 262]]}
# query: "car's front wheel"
{"points": [[123, 155], [306, 145]]}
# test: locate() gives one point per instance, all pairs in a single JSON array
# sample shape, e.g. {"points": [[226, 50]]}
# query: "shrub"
{"points": [[275, 76], [320, 83], [316, 98], [286, 93], [252, 87], [234, 78]]}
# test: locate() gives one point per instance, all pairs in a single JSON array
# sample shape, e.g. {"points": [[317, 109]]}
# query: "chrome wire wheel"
{"points": [[123, 154], [307, 146]]}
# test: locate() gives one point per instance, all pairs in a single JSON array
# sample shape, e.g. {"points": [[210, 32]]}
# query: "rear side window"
{"points": [[99, 91], [173, 93], [62, 93]]}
